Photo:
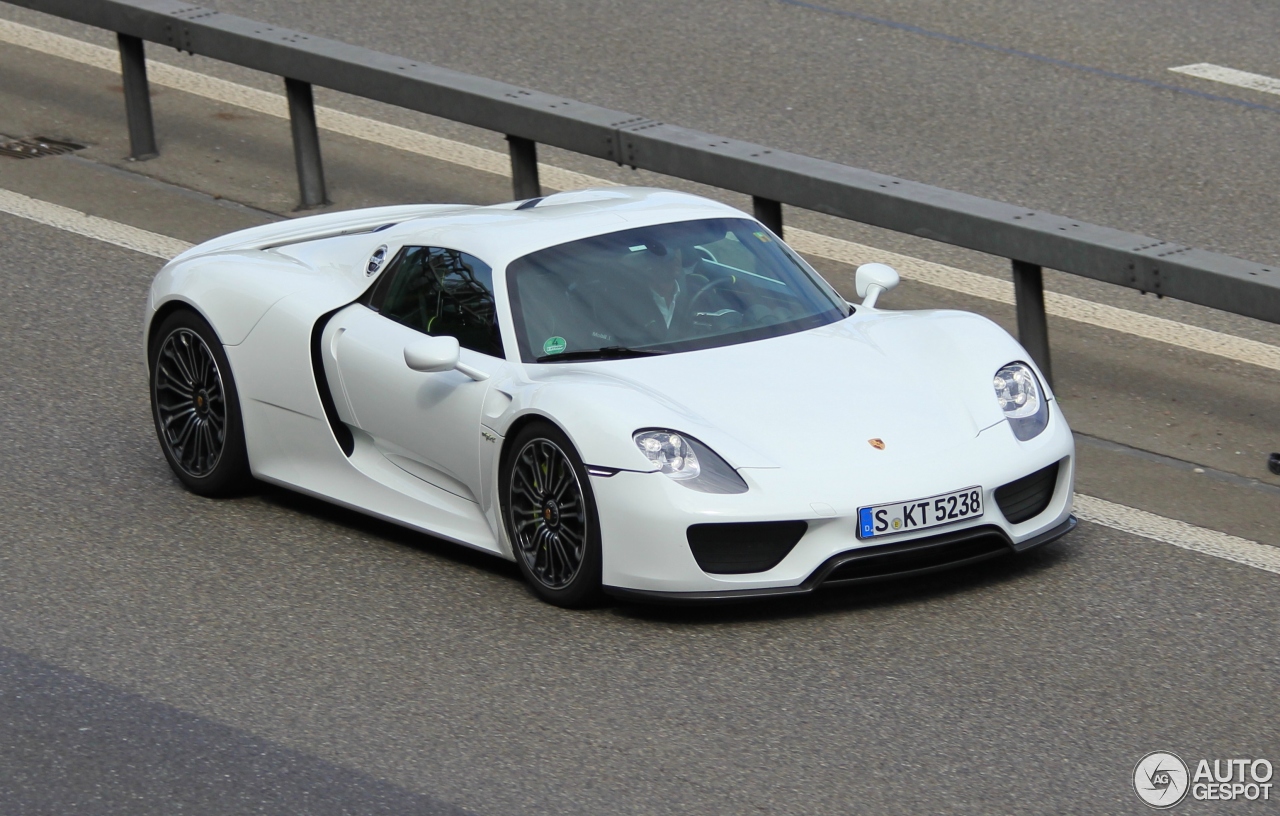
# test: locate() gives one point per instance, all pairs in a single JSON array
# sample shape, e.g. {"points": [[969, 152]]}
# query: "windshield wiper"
{"points": [[604, 353]]}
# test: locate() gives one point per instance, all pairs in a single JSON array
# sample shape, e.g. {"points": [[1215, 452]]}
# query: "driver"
{"points": [[656, 300], [666, 275]]}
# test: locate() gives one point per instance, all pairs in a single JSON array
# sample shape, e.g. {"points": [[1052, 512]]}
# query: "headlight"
{"points": [[689, 462], [1022, 400]]}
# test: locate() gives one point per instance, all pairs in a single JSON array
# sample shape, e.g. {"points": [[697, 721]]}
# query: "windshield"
{"points": [[666, 288]]}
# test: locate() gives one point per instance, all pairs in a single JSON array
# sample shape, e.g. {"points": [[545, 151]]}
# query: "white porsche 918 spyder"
{"points": [[624, 390]]}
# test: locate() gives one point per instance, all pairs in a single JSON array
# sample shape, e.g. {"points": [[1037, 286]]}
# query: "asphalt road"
{"points": [[266, 653], [161, 653]]}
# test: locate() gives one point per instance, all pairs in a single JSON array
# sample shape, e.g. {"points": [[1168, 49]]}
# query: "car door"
{"points": [[428, 424]]}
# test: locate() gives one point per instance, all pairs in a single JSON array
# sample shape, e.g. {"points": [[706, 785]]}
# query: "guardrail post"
{"points": [[306, 143], [137, 98], [1033, 325], [768, 212], [524, 168]]}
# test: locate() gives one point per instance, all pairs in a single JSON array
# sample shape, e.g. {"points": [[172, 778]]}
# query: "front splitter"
{"points": [[847, 563]]}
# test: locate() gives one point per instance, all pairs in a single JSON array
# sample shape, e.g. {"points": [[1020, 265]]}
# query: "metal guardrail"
{"points": [[1031, 240]]}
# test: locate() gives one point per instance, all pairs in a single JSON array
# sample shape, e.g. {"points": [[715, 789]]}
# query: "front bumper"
{"points": [[645, 517]]}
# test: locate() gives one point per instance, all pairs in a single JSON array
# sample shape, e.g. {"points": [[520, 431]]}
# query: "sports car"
{"points": [[628, 391]]}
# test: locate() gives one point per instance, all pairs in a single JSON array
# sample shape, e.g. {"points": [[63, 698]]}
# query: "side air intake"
{"points": [[735, 548], [1029, 496]]}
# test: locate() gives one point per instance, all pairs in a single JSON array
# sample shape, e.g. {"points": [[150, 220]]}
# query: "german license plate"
{"points": [[919, 514]]}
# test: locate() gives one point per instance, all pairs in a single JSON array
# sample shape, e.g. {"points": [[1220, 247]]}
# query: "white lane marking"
{"points": [[91, 226], [1079, 310], [1178, 533], [1087, 508], [1230, 76]]}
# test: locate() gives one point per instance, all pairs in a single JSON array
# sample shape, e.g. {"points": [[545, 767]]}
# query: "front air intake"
{"points": [[739, 547], [1029, 496]]}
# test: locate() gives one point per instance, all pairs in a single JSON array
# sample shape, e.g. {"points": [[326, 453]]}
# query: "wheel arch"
{"points": [[233, 292], [508, 449], [162, 313]]}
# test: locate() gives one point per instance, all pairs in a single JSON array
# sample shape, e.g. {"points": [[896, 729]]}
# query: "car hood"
{"points": [[919, 382]]}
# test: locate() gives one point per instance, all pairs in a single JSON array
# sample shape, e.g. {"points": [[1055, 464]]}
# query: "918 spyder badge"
{"points": [[919, 514], [376, 261]]}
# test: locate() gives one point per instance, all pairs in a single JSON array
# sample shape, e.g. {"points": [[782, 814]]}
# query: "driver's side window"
{"points": [[441, 292]]}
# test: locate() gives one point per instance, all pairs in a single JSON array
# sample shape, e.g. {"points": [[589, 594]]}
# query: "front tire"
{"points": [[550, 514], [196, 407]]}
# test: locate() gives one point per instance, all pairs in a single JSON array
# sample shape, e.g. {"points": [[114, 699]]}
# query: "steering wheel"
{"points": [[707, 288]]}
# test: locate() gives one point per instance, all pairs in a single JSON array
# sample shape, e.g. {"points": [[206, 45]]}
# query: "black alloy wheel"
{"points": [[196, 407], [551, 517]]}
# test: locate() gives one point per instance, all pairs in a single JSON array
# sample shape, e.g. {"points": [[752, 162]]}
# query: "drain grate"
{"points": [[37, 146]]}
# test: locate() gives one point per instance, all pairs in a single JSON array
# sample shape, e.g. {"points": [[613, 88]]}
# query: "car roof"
{"points": [[500, 233]]}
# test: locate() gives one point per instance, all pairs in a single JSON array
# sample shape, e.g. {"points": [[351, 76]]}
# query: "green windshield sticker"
{"points": [[761, 236], [554, 345]]}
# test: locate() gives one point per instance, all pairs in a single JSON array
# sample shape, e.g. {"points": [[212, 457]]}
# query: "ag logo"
{"points": [[1160, 779]]}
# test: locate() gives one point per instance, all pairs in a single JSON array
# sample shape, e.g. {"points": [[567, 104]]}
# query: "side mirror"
{"points": [[873, 278], [432, 354]]}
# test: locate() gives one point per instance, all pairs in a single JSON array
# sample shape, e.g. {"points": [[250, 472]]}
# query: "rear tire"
{"points": [[550, 514], [196, 407]]}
